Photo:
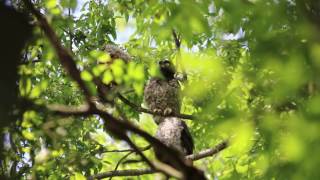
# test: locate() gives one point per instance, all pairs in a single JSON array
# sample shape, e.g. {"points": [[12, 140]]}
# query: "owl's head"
{"points": [[117, 53], [167, 69]]}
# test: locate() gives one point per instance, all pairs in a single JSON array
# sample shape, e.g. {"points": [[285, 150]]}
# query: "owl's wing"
{"points": [[186, 139], [175, 98], [149, 92]]}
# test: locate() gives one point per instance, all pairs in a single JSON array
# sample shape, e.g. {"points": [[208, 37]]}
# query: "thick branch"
{"points": [[59, 109], [82, 110], [119, 127], [119, 131], [137, 172], [141, 109]]}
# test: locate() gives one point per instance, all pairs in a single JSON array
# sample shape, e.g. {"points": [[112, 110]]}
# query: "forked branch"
{"points": [[138, 172]]}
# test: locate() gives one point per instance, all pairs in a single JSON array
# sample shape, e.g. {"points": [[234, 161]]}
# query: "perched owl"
{"points": [[110, 90], [162, 94], [116, 53]]}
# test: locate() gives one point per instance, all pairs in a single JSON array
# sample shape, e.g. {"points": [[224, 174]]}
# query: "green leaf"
{"points": [[50, 4], [28, 135], [69, 3], [107, 77], [85, 75]]}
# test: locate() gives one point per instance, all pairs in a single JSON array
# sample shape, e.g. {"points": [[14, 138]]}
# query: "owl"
{"points": [[110, 90], [116, 53], [174, 133], [162, 95]]}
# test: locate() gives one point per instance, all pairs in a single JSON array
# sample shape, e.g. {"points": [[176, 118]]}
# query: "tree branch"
{"points": [[127, 150], [119, 131], [141, 109], [82, 110], [137, 172], [131, 172], [137, 150], [177, 40], [208, 152], [119, 128], [120, 161]]}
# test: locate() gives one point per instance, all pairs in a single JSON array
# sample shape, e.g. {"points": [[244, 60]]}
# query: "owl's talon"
{"points": [[167, 111], [159, 111]]}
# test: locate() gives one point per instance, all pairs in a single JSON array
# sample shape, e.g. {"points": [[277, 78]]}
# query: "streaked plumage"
{"points": [[117, 53], [162, 95], [174, 133], [110, 89]]}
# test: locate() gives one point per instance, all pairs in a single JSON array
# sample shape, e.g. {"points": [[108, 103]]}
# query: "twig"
{"points": [[137, 172], [208, 152], [127, 150], [141, 109], [136, 149], [120, 161], [131, 172], [176, 39]]}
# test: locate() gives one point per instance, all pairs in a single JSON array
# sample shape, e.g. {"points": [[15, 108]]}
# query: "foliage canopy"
{"points": [[253, 78]]}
